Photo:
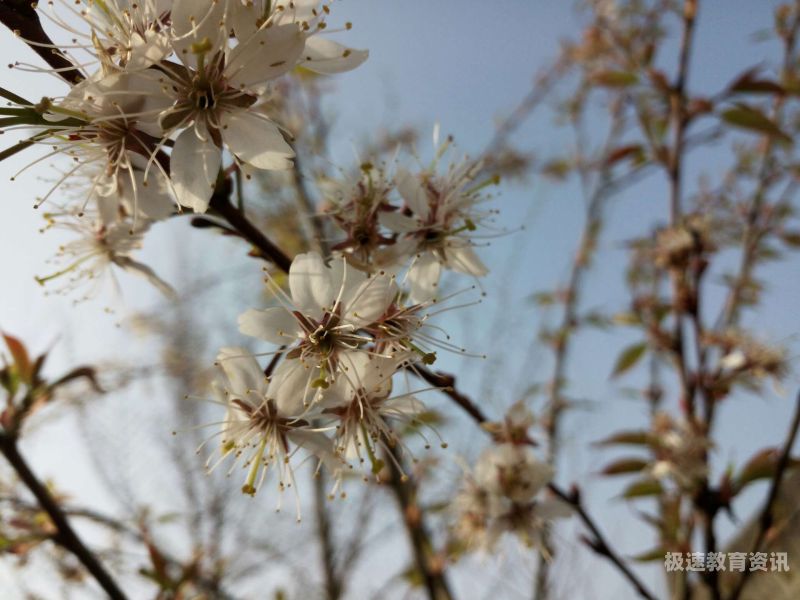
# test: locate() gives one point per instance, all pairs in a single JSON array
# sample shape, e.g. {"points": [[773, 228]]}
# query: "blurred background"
{"points": [[466, 66]]}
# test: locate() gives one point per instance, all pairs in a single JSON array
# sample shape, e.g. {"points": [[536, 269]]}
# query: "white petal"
{"points": [[398, 222], [143, 270], [413, 193], [289, 387], [423, 277], [406, 406], [194, 21], [310, 283], [370, 300], [463, 259], [242, 370], [325, 56], [194, 165], [256, 140], [275, 325], [319, 445], [268, 53], [151, 199]]}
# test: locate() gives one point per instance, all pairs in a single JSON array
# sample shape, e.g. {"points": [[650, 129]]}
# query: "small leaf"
{"points": [[614, 78], [752, 119], [790, 238], [20, 355], [632, 151], [762, 465], [627, 438], [625, 466], [628, 358], [650, 555], [641, 488], [748, 82]]}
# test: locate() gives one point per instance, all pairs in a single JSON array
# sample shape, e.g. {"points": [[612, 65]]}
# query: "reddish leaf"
{"points": [[20, 355]]}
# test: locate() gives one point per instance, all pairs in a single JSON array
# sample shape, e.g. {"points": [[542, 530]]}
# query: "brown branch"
{"points": [[405, 492], [65, 536], [446, 383], [752, 233], [598, 542], [333, 582], [221, 203], [21, 18], [767, 512]]}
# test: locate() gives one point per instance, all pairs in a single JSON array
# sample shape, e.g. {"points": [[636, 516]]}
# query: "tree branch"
{"points": [[21, 18], [767, 512], [66, 536], [598, 542], [405, 492]]}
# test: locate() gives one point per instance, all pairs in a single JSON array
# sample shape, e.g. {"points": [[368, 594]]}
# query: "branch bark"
{"points": [[21, 18], [66, 536]]}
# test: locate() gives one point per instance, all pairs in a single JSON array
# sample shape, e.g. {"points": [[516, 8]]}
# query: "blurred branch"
{"points": [[753, 233], [571, 304], [598, 542], [65, 536], [221, 203], [767, 512], [333, 582], [405, 492]]}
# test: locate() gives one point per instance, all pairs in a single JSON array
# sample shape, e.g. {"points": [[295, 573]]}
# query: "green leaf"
{"points": [[642, 488], [752, 119], [762, 465], [790, 238], [627, 438], [628, 358], [650, 555], [625, 466], [614, 78], [748, 82]]}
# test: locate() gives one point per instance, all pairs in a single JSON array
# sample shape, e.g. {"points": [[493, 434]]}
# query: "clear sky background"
{"points": [[462, 64]]}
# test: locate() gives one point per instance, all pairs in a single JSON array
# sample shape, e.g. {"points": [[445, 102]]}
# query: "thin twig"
{"points": [[767, 516], [66, 536], [598, 542], [405, 492]]}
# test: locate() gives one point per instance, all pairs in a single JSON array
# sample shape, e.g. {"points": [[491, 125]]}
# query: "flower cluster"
{"points": [[425, 221], [351, 324], [167, 90], [342, 336], [502, 495]]}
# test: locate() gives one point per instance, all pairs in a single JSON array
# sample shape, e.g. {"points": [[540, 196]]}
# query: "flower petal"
{"points": [[327, 57], [275, 325], [423, 277], [268, 53], [290, 388], [242, 370], [310, 283], [370, 300], [398, 222], [256, 140], [413, 193], [194, 21], [463, 259], [194, 165]]}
